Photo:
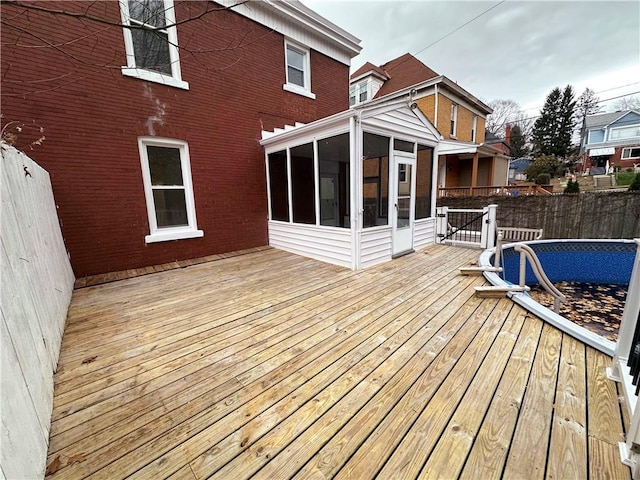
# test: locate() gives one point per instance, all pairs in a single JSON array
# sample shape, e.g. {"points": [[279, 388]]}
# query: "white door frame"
{"points": [[402, 238]]}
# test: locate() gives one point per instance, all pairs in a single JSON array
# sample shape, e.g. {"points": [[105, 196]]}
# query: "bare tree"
{"points": [[631, 102], [507, 112]]}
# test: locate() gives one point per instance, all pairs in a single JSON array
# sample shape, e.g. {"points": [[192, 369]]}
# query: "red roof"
{"points": [[402, 72], [368, 67]]}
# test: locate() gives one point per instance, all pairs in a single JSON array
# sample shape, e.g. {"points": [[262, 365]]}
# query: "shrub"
{"points": [[572, 187], [635, 185], [543, 179], [546, 164]]}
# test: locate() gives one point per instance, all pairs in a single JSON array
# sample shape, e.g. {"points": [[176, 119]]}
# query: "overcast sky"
{"points": [[519, 50]]}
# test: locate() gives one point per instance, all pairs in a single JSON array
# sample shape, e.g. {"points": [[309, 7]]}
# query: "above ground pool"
{"points": [[584, 270]]}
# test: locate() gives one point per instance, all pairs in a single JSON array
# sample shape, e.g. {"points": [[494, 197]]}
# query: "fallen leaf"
{"points": [[89, 359], [77, 458], [53, 467]]}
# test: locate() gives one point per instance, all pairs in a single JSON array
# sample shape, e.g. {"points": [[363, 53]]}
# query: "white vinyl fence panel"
{"points": [[36, 287]]}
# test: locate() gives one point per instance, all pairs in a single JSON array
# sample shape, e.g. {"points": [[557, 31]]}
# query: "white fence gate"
{"points": [[467, 227], [37, 282]]}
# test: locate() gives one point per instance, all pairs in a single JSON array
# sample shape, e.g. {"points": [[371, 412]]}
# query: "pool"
{"points": [[599, 262]]}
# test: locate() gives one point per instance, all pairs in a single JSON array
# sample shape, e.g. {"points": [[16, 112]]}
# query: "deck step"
{"points": [[494, 291], [478, 270]]}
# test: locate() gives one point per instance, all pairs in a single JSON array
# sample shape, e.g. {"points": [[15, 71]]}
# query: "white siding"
{"points": [[424, 233], [37, 283], [319, 36], [401, 122], [375, 246], [327, 244]]}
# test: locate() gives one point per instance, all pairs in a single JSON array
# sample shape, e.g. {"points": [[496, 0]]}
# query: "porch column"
{"points": [[474, 172]]}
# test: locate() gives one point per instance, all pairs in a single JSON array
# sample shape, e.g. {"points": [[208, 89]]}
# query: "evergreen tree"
{"points": [[518, 143], [553, 129]]}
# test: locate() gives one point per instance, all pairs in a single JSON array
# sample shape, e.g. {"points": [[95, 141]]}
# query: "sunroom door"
{"points": [[402, 201]]}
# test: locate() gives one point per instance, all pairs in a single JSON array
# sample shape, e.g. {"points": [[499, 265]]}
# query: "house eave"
{"points": [[300, 18]]}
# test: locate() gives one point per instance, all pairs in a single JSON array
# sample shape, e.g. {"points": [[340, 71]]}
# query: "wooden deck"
{"points": [[270, 365]]}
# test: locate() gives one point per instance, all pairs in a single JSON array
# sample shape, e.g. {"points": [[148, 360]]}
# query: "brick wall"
{"points": [[92, 117]]}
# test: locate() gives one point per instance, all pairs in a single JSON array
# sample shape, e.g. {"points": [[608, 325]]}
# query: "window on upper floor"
{"points": [[454, 119], [151, 41], [166, 174], [363, 96], [596, 136], [298, 69], [352, 95], [630, 152], [474, 128], [624, 132]]}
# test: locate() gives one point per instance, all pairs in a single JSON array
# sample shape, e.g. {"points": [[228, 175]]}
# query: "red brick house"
{"points": [[152, 132]]}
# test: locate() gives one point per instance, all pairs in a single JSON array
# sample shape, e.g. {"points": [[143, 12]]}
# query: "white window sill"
{"points": [[156, 77], [299, 90], [166, 236]]}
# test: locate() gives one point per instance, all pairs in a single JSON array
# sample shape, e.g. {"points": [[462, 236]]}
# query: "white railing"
{"points": [[626, 366], [467, 227]]}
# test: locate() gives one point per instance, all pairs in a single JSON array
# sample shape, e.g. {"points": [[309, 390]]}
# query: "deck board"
{"points": [[270, 365]]}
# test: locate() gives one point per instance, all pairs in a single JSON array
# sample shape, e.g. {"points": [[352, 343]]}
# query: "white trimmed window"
{"points": [[298, 69], [454, 119], [630, 152], [151, 41], [166, 173], [596, 136], [624, 132], [352, 95]]}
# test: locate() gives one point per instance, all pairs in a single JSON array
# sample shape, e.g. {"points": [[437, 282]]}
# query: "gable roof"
{"points": [[366, 68], [402, 72], [604, 119]]}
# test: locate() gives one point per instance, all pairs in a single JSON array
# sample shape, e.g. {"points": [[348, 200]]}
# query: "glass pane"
{"points": [[404, 179], [165, 166], [424, 172], [171, 207], [295, 58], [296, 76], [403, 146], [375, 176], [278, 186], [303, 184], [333, 163], [150, 12], [404, 204], [151, 50]]}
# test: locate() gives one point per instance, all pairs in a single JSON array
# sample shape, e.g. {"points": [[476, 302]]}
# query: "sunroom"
{"points": [[354, 189]]}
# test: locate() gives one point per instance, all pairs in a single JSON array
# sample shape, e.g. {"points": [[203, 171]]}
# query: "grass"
{"points": [[624, 178]]}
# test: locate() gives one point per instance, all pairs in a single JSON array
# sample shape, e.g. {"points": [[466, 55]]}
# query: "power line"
{"points": [[600, 91], [451, 32]]}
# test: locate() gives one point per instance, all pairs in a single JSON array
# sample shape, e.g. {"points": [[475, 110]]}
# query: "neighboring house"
{"points": [[152, 136], [518, 167], [465, 160], [610, 140], [500, 144]]}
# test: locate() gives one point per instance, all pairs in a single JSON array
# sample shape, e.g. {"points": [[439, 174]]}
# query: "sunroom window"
{"points": [[424, 176], [375, 178]]}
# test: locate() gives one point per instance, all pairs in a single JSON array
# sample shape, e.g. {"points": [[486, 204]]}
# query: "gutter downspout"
{"points": [[435, 120]]}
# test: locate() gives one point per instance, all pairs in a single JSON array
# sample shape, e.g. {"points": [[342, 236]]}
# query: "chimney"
{"points": [[507, 135]]}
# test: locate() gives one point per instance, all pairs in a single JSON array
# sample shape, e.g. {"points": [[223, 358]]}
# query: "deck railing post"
{"points": [[629, 315], [490, 224], [622, 372], [441, 223]]}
